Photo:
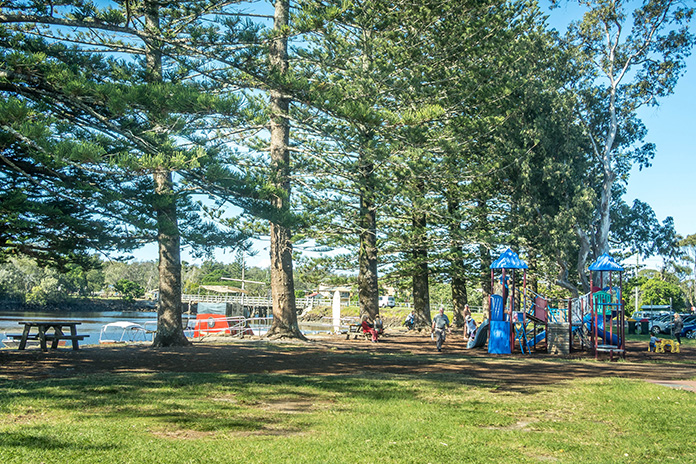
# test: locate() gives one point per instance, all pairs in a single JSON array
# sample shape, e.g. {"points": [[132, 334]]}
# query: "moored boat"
{"points": [[123, 332]]}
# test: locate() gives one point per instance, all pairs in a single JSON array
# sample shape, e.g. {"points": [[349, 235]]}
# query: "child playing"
{"points": [[653, 342]]}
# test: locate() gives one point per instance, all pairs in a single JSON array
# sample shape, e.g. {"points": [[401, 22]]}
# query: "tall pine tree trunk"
{"points": [[368, 285], [532, 279], [485, 276], [282, 283], [457, 276], [170, 331], [484, 254], [421, 290]]}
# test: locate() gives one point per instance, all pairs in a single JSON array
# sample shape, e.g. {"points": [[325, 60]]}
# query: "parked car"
{"points": [[385, 301], [661, 324], [641, 315], [689, 330]]}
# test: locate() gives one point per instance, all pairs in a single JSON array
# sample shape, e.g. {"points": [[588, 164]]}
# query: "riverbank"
{"points": [[80, 305]]}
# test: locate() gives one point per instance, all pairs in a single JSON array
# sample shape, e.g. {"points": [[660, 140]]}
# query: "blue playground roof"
{"points": [[509, 260], [605, 263]]}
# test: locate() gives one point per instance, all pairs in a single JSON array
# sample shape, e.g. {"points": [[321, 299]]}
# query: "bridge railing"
{"points": [[253, 300], [300, 302]]}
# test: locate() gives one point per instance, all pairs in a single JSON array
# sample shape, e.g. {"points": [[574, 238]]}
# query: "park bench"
{"points": [[19, 336], [611, 349], [356, 330]]}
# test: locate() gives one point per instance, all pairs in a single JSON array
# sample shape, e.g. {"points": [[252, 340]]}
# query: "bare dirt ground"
{"points": [[398, 353]]}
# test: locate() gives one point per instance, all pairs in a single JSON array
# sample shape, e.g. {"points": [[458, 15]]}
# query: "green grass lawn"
{"points": [[215, 418]]}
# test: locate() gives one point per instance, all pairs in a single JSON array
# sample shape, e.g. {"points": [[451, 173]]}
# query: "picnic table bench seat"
{"points": [[65, 337], [19, 336], [356, 330], [612, 349]]}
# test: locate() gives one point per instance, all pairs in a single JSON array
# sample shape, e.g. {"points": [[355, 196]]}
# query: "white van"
{"points": [[386, 300]]}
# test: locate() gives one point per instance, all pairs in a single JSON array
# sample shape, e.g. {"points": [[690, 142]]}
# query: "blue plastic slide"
{"points": [[481, 336], [600, 331], [499, 341], [540, 336]]}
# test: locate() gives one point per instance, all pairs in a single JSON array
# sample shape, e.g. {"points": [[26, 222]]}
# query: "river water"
{"points": [[92, 322]]}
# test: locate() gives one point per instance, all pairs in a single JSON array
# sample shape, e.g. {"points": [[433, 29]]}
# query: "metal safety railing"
{"points": [[306, 302]]}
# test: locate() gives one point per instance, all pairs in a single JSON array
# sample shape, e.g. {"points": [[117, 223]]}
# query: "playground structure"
{"points": [[526, 320], [506, 322], [607, 309]]}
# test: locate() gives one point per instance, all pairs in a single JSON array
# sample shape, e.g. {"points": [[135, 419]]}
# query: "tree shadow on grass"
{"points": [[220, 403], [33, 437]]}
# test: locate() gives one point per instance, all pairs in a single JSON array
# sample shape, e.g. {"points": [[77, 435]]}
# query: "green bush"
{"points": [[129, 290]]}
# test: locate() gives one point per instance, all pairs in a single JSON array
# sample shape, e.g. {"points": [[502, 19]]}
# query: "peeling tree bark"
{"points": [[368, 285], [460, 298], [170, 331], [282, 284]]}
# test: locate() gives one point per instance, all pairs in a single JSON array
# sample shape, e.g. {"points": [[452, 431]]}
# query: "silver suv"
{"points": [[661, 324]]}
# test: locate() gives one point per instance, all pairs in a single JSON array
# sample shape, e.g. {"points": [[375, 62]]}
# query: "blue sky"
{"points": [[668, 185]]}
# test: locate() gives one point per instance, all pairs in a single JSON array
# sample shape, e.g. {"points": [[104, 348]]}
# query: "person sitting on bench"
{"points": [[410, 321], [368, 327], [379, 325]]}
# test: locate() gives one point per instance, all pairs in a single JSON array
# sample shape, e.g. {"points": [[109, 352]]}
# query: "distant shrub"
{"points": [[129, 290]]}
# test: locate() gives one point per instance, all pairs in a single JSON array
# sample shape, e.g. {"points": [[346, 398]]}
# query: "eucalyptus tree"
{"points": [[549, 188], [631, 60], [636, 230], [146, 109], [546, 182]]}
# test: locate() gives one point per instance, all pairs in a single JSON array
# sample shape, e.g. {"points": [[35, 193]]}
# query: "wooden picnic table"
{"points": [[49, 331]]}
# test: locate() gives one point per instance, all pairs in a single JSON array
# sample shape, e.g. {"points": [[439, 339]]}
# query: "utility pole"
{"points": [[636, 287], [636, 310], [242, 280]]}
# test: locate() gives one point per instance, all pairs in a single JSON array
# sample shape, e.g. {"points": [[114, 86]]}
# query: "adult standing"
{"points": [[677, 327], [441, 325], [467, 327]]}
